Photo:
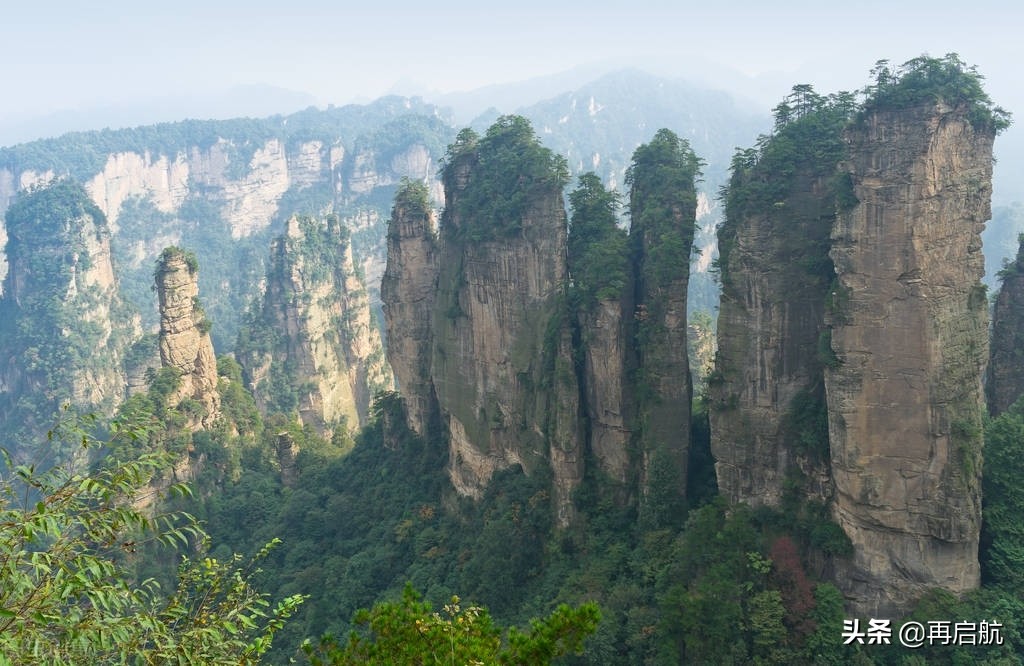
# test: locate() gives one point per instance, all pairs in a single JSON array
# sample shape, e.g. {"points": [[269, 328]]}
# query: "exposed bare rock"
{"points": [[768, 411], [1004, 382], [607, 392], [910, 344], [185, 343], [495, 299], [663, 207], [408, 291], [164, 180], [324, 356]]}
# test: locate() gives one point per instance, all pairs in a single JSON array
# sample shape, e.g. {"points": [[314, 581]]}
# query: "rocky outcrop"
{"points": [[909, 342], [498, 291], [493, 359], [64, 330], [663, 205], [313, 346], [408, 292], [767, 395], [768, 390], [607, 392], [185, 343], [1004, 381]]}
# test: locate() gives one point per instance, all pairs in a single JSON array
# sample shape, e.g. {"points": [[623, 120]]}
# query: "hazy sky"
{"points": [[64, 55]]}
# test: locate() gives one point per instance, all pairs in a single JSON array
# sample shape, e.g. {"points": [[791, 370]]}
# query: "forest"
{"points": [[130, 533]]}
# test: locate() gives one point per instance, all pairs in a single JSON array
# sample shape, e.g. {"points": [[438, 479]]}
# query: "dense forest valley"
{"points": [[357, 386]]}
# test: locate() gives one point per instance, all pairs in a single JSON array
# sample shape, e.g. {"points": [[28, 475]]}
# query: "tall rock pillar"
{"points": [[909, 338], [408, 293], [185, 343]]}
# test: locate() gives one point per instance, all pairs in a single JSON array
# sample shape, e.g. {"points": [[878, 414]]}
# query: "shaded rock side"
{"points": [[663, 209], [768, 393], [1004, 381], [909, 337], [607, 396], [321, 353], [499, 335], [408, 292], [185, 343]]}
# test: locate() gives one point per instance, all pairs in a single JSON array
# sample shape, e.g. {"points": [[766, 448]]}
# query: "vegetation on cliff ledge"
{"points": [[511, 170], [925, 79]]}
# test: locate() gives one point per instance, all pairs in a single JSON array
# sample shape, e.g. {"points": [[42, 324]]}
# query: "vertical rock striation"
{"points": [[478, 330], [312, 346], [497, 325], [185, 343], [1004, 382], [769, 420], [910, 342], [408, 292], [663, 207]]}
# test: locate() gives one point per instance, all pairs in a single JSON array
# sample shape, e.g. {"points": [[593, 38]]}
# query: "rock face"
{"points": [[185, 343], [324, 356], [910, 342], [768, 367], [663, 205], [607, 393], [768, 416], [64, 330], [498, 292], [519, 364], [1004, 382], [485, 347], [408, 292]]}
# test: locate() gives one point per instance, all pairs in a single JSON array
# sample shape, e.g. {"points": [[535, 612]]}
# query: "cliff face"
{"points": [[663, 205], [313, 346], [768, 415], [184, 340], [226, 188], [909, 339], [768, 369], [64, 329], [607, 391], [408, 292], [1004, 382], [516, 354], [496, 298], [478, 331]]}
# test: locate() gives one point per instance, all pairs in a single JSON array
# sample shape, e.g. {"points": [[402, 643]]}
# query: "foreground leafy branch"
{"points": [[67, 594]]}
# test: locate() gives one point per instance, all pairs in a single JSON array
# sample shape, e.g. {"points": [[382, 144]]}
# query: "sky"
{"points": [[68, 57]]}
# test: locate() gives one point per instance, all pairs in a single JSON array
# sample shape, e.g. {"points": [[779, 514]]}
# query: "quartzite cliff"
{"points": [[496, 360], [184, 338], [853, 331], [64, 330], [312, 346]]}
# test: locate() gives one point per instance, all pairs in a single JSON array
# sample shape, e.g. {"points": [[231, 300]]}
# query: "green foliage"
{"points": [[927, 80], [804, 147], [663, 202], [48, 316], [1002, 551], [66, 591], [510, 172], [598, 251], [413, 198], [409, 632], [807, 423]]}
